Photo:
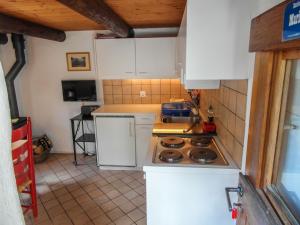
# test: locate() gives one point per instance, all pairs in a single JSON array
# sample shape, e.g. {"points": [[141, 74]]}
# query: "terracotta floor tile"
{"points": [[136, 215], [115, 214], [85, 195], [124, 220], [102, 220], [131, 195]]}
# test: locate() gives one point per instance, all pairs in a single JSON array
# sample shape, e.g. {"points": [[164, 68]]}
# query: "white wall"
{"points": [[10, 209], [39, 89], [264, 5]]}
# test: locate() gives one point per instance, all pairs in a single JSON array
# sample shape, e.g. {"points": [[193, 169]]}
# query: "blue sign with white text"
{"points": [[291, 24]]}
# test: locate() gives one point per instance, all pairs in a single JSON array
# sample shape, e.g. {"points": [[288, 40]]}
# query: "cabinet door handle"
{"points": [[129, 72], [142, 72], [238, 190]]}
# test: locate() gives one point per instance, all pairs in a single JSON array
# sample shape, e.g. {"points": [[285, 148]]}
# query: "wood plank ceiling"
{"points": [[137, 13]]}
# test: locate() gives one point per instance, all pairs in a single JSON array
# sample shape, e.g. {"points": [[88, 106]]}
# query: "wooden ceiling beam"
{"points": [[101, 13], [10, 24]]}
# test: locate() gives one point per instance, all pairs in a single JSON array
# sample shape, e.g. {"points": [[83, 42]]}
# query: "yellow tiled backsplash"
{"points": [[229, 105], [128, 91]]}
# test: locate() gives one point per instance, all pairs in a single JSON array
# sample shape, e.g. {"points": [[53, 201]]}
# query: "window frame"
{"points": [[276, 117]]}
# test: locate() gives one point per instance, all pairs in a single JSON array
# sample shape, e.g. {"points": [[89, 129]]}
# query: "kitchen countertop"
{"points": [[128, 109], [159, 128]]}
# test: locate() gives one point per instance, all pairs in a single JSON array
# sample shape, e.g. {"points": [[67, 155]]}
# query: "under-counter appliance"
{"points": [[186, 182], [115, 141]]}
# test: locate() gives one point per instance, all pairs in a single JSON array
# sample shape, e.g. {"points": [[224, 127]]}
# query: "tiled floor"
{"points": [[85, 195]]}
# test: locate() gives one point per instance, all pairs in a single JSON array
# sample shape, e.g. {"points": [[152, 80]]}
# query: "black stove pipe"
{"points": [[19, 46]]}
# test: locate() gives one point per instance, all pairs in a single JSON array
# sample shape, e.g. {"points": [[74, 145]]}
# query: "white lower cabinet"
{"points": [[143, 139], [189, 196]]}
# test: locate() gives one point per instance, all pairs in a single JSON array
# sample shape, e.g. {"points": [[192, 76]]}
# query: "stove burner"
{"points": [[201, 141], [170, 156], [203, 155], [172, 142]]}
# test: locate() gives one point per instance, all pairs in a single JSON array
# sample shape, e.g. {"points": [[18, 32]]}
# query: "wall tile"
{"points": [[177, 96], [175, 82], [118, 99], [241, 106], [232, 101], [155, 81], [136, 88], [117, 90], [238, 154], [242, 86], [165, 89], [116, 82], [146, 81], [136, 99], [226, 96], [239, 130], [155, 99], [231, 122], [165, 98], [229, 142], [232, 84], [107, 90], [108, 99], [165, 81], [147, 88], [136, 81], [127, 99], [107, 82], [229, 104], [126, 89], [175, 89], [155, 89], [126, 82], [146, 100]]}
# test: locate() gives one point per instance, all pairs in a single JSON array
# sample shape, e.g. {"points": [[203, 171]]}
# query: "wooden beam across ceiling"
{"points": [[101, 13], [10, 24]]}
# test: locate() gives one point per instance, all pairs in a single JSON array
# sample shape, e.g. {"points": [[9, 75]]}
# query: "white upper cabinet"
{"points": [[213, 41], [155, 57], [115, 58], [136, 58]]}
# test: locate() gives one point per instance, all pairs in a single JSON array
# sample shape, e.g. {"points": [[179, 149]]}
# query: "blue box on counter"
{"points": [[176, 109]]}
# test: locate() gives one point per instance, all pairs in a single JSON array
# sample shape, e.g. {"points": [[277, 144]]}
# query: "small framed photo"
{"points": [[78, 61]]}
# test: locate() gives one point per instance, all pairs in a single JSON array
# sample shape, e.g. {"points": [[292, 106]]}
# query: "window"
{"points": [[287, 181]]}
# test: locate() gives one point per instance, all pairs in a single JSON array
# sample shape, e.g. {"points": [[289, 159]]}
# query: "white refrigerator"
{"points": [[115, 139]]}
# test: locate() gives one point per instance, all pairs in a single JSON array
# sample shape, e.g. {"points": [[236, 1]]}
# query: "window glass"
{"points": [[288, 180]]}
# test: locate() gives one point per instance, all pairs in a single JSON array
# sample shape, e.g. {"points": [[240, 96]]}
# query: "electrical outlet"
{"points": [[142, 94]]}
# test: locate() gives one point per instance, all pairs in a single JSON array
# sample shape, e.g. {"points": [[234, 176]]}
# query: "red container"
{"points": [[209, 127]]}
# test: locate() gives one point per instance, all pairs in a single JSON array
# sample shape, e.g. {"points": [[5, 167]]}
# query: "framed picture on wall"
{"points": [[78, 61]]}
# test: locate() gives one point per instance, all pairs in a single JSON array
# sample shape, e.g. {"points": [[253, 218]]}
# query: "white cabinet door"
{"points": [[115, 58], [143, 139], [115, 141], [210, 49], [155, 57], [217, 49]]}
